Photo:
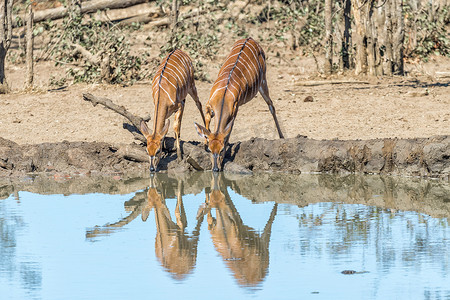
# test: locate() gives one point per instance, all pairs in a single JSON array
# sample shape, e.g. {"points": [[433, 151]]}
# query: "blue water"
{"points": [[225, 246]]}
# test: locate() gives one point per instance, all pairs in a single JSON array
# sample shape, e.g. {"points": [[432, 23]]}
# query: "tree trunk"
{"points": [[329, 37], [389, 57], [174, 14], [30, 43], [371, 38], [360, 38], [379, 23], [399, 37], [5, 39], [3, 84], [346, 40], [174, 21], [413, 34]]}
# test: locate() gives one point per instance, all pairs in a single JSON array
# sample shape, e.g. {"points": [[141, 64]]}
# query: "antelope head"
{"points": [[154, 144], [216, 143]]}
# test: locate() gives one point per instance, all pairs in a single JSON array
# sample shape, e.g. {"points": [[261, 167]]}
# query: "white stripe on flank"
{"points": [[216, 91], [168, 95]]}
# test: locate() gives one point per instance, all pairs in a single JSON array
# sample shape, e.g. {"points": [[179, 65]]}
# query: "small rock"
{"points": [[309, 99]]}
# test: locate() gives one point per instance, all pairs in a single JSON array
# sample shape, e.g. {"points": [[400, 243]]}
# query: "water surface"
{"points": [[203, 237]]}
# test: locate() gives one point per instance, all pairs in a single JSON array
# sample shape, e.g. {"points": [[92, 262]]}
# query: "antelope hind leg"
{"points": [[177, 129], [194, 96], [264, 91]]}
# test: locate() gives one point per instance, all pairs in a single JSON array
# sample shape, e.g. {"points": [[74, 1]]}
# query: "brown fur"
{"points": [[241, 77], [173, 81]]}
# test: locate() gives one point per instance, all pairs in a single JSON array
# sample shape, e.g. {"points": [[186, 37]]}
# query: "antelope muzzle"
{"points": [[217, 162], [153, 163]]}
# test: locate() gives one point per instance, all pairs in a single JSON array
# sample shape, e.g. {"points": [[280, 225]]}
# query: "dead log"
{"points": [[135, 120], [130, 14], [86, 7]]}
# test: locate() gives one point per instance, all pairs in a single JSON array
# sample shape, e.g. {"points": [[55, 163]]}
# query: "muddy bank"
{"points": [[411, 157]]}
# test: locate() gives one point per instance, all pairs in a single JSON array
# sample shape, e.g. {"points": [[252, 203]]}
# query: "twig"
{"points": [[325, 82], [92, 58]]}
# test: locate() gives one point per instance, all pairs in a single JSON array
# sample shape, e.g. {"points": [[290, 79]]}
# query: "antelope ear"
{"points": [[202, 131], [165, 128], [227, 129], [144, 129]]}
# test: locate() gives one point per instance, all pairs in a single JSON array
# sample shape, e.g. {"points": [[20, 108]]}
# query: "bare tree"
{"points": [[359, 15], [174, 21], [389, 56], [379, 36], [328, 37], [5, 38], [399, 36], [346, 42], [174, 14], [371, 39], [30, 43]]}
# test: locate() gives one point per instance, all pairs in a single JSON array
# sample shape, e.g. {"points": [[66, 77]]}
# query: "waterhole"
{"points": [[202, 236]]}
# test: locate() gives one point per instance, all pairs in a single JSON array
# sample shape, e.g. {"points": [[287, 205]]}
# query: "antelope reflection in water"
{"points": [[245, 252], [174, 248]]}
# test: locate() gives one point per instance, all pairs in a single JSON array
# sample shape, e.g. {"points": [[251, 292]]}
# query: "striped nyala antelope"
{"points": [[173, 81], [241, 77]]}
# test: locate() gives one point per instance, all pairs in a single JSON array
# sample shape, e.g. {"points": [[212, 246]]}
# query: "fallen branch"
{"points": [[325, 82], [135, 120], [443, 74]]}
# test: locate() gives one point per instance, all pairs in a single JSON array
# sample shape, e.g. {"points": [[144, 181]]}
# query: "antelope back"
{"points": [[173, 78], [238, 80]]}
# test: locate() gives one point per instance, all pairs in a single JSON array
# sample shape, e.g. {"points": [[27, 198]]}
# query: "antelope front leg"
{"points": [[177, 128], [264, 91]]}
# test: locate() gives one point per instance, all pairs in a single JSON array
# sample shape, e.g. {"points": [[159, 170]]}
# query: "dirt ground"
{"points": [[414, 106]]}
